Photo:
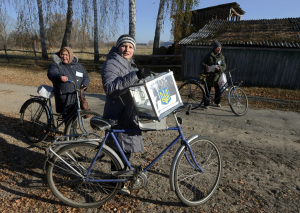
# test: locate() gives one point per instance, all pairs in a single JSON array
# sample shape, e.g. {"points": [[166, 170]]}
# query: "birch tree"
{"points": [[96, 33], [69, 21], [42, 29], [181, 15], [159, 21], [132, 17], [179, 11]]}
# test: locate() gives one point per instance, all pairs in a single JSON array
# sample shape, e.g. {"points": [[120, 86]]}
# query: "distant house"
{"points": [[229, 12], [267, 51], [200, 17]]}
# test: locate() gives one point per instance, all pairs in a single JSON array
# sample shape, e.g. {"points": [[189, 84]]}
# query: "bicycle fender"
{"points": [[56, 149], [32, 100], [176, 156]]}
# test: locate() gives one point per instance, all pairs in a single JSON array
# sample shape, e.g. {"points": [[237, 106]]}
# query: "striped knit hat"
{"points": [[125, 39]]}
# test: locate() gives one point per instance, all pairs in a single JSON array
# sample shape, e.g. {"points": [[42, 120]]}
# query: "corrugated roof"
{"points": [[259, 33]]}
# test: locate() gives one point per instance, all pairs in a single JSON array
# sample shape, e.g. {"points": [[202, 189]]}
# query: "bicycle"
{"points": [[192, 92], [37, 117], [88, 173]]}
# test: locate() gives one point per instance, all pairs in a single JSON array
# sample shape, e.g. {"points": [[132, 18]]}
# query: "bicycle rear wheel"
{"points": [[192, 186], [73, 189], [35, 123], [73, 128], [238, 101], [192, 93]]}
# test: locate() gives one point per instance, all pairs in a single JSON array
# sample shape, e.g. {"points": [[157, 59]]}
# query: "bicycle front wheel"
{"points": [[35, 123], [66, 175], [82, 126], [192, 93], [192, 186], [238, 101]]}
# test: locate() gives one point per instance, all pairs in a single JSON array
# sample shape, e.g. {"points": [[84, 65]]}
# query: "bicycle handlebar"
{"points": [[69, 81], [231, 70]]}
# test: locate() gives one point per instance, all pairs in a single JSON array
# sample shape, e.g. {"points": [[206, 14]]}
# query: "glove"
{"points": [[143, 73]]}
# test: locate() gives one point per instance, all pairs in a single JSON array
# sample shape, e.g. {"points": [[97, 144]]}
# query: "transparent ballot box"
{"points": [[157, 96]]}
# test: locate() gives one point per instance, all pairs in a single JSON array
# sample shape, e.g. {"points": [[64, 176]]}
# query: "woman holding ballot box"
{"points": [[119, 72], [214, 65]]}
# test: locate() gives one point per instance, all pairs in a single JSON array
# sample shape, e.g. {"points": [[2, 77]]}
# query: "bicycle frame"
{"points": [[129, 173], [222, 89], [69, 115]]}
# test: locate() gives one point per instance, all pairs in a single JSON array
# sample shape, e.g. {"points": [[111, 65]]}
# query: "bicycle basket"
{"points": [[45, 91], [156, 97]]}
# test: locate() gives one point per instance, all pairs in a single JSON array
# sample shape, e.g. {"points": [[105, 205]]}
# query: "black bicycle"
{"points": [[38, 120], [192, 92]]}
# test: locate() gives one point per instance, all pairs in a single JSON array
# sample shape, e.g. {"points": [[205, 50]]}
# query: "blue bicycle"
{"points": [[88, 173]]}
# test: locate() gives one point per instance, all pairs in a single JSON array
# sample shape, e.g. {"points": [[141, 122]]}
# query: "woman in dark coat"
{"points": [[66, 67], [119, 72], [214, 57]]}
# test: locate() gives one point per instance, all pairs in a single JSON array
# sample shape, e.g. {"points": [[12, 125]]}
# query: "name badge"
{"points": [[79, 74]]}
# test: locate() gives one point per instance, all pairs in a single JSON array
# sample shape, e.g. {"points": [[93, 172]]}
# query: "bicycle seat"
{"points": [[203, 75], [97, 122]]}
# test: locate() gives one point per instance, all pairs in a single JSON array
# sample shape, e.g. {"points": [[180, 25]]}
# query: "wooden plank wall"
{"points": [[267, 67]]}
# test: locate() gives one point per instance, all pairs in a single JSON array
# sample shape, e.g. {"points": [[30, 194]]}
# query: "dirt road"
{"points": [[260, 152]]}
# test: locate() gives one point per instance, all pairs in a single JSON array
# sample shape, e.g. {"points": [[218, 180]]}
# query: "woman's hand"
{"points": [[143, 73], [64, 78]]}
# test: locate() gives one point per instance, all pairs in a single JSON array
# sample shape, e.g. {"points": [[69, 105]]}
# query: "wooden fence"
{"points": [[149, 61], [266, 67]]}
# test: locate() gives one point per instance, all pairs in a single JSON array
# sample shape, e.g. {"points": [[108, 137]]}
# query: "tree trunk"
{"points": [[96, 32], [159, 21], [42, 30], [132, 18], [67, 35]]}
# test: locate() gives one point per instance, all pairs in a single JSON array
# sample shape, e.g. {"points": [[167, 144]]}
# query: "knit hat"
{"points": [[215, 44], [125, 39], [69, 50]]}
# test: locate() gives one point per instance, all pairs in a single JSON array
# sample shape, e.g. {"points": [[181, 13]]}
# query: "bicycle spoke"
{"points": [[192, 186], [83, 191], [35, 121]]}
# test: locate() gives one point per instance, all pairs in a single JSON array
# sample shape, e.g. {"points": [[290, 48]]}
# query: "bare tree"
{"points": [[42, 30], [132, 17], [3, 25], [159, 21], [181, 15], [69, 21], [96, 33]]}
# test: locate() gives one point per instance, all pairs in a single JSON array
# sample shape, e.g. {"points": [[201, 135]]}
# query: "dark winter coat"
{"points": [[64, 93], [118, 74], [212, 59]]}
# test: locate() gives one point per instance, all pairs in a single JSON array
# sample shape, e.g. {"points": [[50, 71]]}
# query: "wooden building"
{"points": [[266, 52], [228, 12], [198, 19]]}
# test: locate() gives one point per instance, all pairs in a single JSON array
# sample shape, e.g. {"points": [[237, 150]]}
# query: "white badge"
{"points": [[79, 74]]}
